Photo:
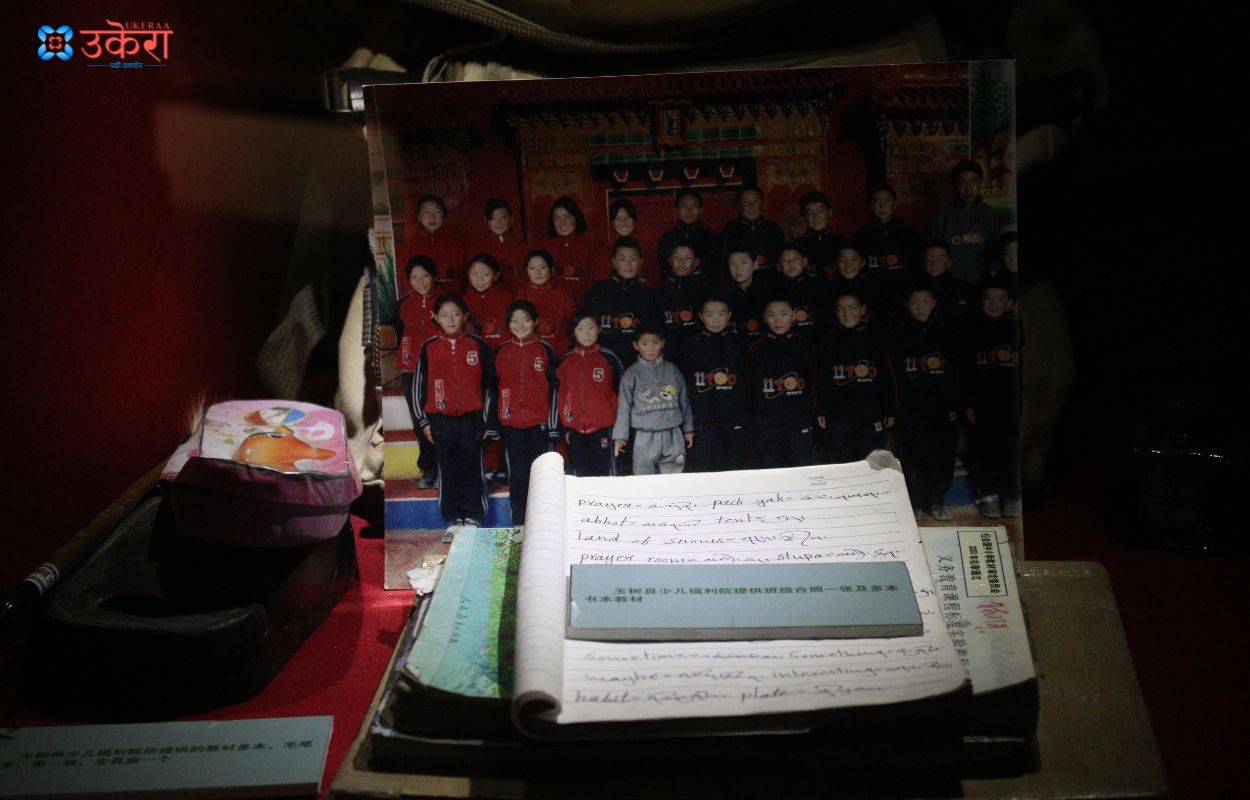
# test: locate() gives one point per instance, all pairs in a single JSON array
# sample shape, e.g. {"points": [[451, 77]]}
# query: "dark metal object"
{"points": [[155, 624]]}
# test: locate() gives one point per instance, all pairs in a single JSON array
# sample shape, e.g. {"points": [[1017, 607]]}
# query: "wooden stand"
{"points": [[1094, 736]]}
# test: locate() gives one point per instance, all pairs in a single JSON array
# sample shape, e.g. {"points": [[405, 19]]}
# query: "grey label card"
{"points": [[622, 602]]}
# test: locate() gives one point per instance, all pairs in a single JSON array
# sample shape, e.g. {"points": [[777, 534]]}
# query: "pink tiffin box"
{"points": [[263, 473]]}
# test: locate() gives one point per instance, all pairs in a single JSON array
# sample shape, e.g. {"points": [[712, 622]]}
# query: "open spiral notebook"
{"points": [[849, 513]]}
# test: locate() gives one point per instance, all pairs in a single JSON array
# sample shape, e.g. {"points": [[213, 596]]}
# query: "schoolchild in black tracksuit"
{"points": [[751, 232], [716, 381], [956, 299], [820, 242], [808, 294], [889, 245], [993, 400], [924, 352], [747, 290], [691, 231], [621, 303], [855, 389], [780, 376], [678, 300], [851, 276]]}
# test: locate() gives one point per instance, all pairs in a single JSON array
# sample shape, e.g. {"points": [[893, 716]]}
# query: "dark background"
{"points": [[130, 293]]}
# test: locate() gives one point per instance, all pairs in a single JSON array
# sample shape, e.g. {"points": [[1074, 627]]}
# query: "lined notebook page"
{"points": [[542, 593], [830, 513]]}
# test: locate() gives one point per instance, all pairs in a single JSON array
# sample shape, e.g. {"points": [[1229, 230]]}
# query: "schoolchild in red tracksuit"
{"points": [[503, 242], [487, 300], [416, 324], [526, 370], [589, 377], [573, 248], [455, 409], [431, 238], [488, 315], [554, 303]]}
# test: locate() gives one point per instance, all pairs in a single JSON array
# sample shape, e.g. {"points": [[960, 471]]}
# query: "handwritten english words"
{"points": [[666, 697], [748, 676], [626, 521], [752, 528], [714, 676], [843, 554], [767, 500]]}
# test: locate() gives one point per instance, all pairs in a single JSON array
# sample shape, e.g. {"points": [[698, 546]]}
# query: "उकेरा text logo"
{"points": [[128, 45], [118, 45], [54, 42]]}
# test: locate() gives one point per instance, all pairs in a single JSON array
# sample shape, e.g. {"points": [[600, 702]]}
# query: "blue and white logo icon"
{"points": [[55, 42]]}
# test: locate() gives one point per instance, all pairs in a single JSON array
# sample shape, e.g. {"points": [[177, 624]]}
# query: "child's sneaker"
{"points": [[918, 513], [939, 512], [428, 480], [990, 507], [1011, 506], [468, 522], [452, 530]]}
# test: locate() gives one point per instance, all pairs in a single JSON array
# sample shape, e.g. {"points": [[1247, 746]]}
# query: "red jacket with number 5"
{"points": [[588, 380], [455, 376], [527, 383]]}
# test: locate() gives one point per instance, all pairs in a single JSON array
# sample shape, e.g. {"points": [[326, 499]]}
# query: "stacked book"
{"points": [[778, 618]]}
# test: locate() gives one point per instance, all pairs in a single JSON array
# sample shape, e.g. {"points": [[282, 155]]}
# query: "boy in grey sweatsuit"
{"points": [[652, 401]]}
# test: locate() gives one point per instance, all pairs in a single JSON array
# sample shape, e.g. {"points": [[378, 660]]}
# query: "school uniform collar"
{"points": [[585, 351]]}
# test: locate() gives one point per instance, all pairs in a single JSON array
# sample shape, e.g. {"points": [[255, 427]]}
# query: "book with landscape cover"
{"points": [[455, 677]]}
